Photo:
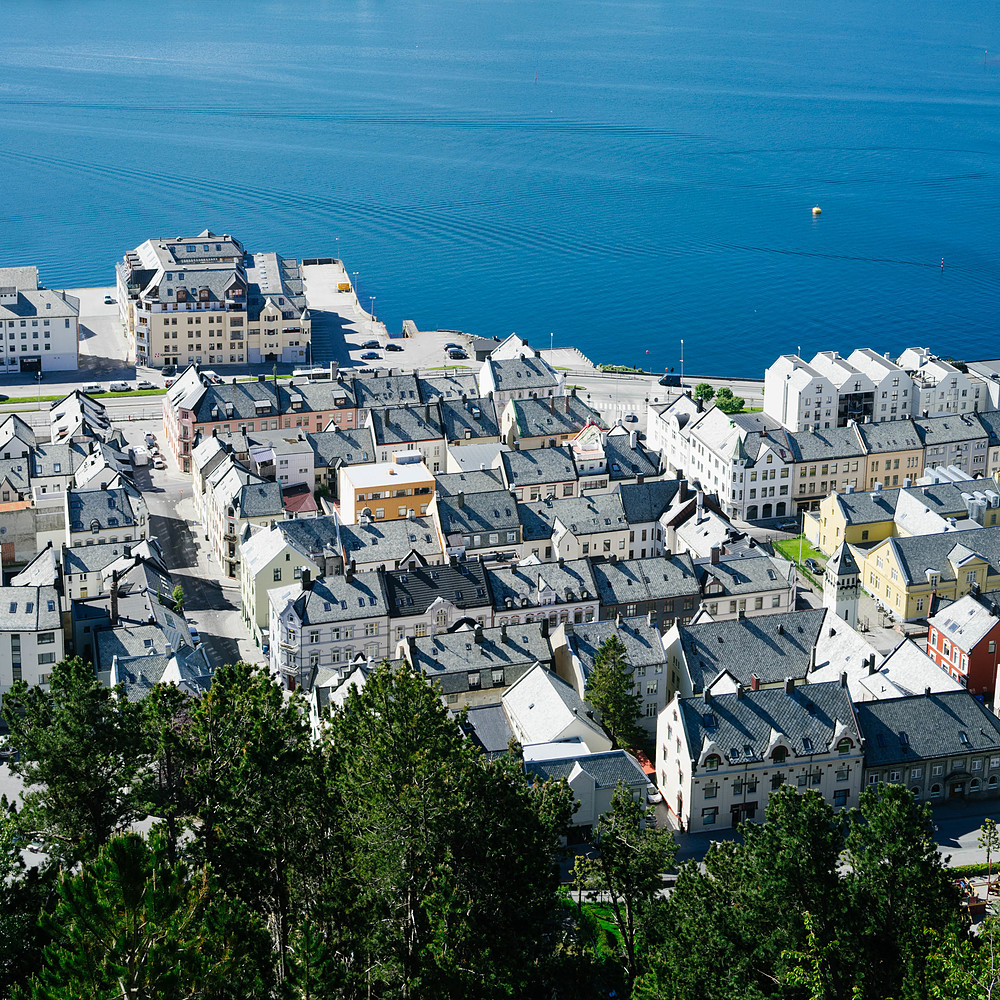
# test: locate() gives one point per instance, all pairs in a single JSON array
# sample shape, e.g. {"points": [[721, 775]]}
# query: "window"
{"points": [[843, 774], [371, 628], [894, 776], [777, 780], [709, 815], [935, 791], [277, 575], [46, 637], [778, 755], [840, 797], [937, 770], [916, 773], [711, 790], [844, 746], [712, 762]]}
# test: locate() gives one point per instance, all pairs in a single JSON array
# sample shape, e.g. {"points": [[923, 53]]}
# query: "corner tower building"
{"points": [[204, 299]]}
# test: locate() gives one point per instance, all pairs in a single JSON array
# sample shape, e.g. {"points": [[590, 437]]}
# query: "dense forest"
{"points": [[212, 848]]}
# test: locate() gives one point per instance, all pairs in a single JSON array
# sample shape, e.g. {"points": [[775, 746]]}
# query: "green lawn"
{"points": [[789, 549]]}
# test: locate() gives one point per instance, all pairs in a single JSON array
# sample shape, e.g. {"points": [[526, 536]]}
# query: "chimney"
{"points": [[566, 400], [503, 633], [870, 662], [478, 634], [716, 552], [633, 439], [306, 581], [843, 678], [907, 482], [789, 685], [545, 628], [349, 572], [812, 659], [700, 508], [699, 404], [741, 615], [781, 629], [707, 695], [552, 404], [740, 692], [618, 620], [754, 682], [461, 499], [114, 597], [649, 619], [127, 551], [927, 692], [168, 650], [640, 479]]}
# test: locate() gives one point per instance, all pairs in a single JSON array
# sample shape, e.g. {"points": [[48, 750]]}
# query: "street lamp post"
{"points": [[371, 311], [682, 363]]}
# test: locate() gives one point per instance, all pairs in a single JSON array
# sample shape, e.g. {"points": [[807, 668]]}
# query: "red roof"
{"points": [[298, 499]]}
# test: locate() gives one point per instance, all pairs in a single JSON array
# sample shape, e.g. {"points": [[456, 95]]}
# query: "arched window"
{"points": [[712, 762], [778, 755], [975, 785], [993, 783], [916, 792], [935, 791], [844, 746]]}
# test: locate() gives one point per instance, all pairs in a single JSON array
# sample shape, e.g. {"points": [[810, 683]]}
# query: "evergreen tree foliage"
{"points": [[611, 690], [79, 754]]}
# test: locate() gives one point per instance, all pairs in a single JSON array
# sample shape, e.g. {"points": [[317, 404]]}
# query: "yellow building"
{"points": [[869, 517], [386, 491], [895, 453], [204, 299], [904, 574]]}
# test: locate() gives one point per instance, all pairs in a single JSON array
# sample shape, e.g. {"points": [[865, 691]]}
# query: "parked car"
{"points": [[788, 525], [93, 387], [812, 565], [631, 418], [108, 300], [458, 355], [143, 384], [371, 343], [193, 629], [452, 347], [169, 369], [371, 356], [653, 796], [158, 462], [393, 347], [118, 387], [671, 380], [150, 437]]}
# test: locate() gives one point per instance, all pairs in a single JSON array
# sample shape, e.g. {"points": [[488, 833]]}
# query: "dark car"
{"points": [[671, 380], [371, 356], [452, 347], [371, 343], [458, 355], [393, 347], [169, 369], [631, 418], [812, 565]]}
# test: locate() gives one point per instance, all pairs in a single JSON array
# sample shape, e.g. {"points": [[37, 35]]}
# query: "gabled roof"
{"points": [[412, 592], [468, 420], [541, 708], [950, 429], [587, 515], [518, 586], [607, 769], [402, 424], [966, 622], [474, 481], [923, 727], [389, 542], [645, 502], [538, 466], [746, 571], [631, 581], [810, 719], [329, 599], [626, 459], [478, 512], [552, 417], [772, 647], [642, 641]]}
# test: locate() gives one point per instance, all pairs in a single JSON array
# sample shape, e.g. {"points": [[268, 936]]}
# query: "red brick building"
{"points": [[964, 639]]}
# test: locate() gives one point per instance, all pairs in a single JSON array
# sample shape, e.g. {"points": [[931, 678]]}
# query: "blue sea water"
{"points": [[620, 174]]}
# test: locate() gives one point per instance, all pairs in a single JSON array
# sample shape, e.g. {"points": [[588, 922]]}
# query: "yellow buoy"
{"points": [[817, 210]]}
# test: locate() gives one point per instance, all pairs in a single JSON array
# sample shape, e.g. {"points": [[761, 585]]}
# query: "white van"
{"points": [[91, 387], [119, 387]]}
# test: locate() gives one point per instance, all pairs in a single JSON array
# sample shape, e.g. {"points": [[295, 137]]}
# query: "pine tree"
{"points": [[611, 690]]}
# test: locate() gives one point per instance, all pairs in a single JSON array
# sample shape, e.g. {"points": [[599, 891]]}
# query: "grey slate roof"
{"points": [[820, 445], [127, 641], [522, 373], [538, 466], [400, 424], [111, 508], [742, 727], [389, 541], [874, 506], [631, 581], [476, 481], [386, 390], [920, 553], [412, 592], [310, 535], [487, 727], [518, 586], [448, 386], [334, 448], [458, 417], [91, 558], [607, 769], [29, 609], [645, 502], [337, 599], [842, 562], [45, 458], [642, 641], [563, 415], [933, 726], [748, 571], [889, 435], [626, 461], [502, 656], [588, 515], [771, 646], [478, 513], [261, 500], [950, 429]]}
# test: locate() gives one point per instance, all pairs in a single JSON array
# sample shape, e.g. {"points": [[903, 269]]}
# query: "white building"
{"points": [[894, 394], [939, 387], [31, 635], [719, 758], [798, 395], [39, 328]]}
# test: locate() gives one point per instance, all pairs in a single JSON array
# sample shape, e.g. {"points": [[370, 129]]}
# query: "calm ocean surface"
{"points": [[655, 181]]}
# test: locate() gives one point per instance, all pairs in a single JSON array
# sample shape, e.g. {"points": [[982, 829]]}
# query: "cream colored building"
{"points": [[204, 299]]}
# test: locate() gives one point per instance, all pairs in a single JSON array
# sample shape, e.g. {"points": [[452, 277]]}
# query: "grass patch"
{"points": [[979, 869], [604, 917], [789, 549]]}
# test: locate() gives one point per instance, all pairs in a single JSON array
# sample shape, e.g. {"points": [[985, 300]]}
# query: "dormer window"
{"points": [[844, 746], [778, 755], [712, 762]]}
